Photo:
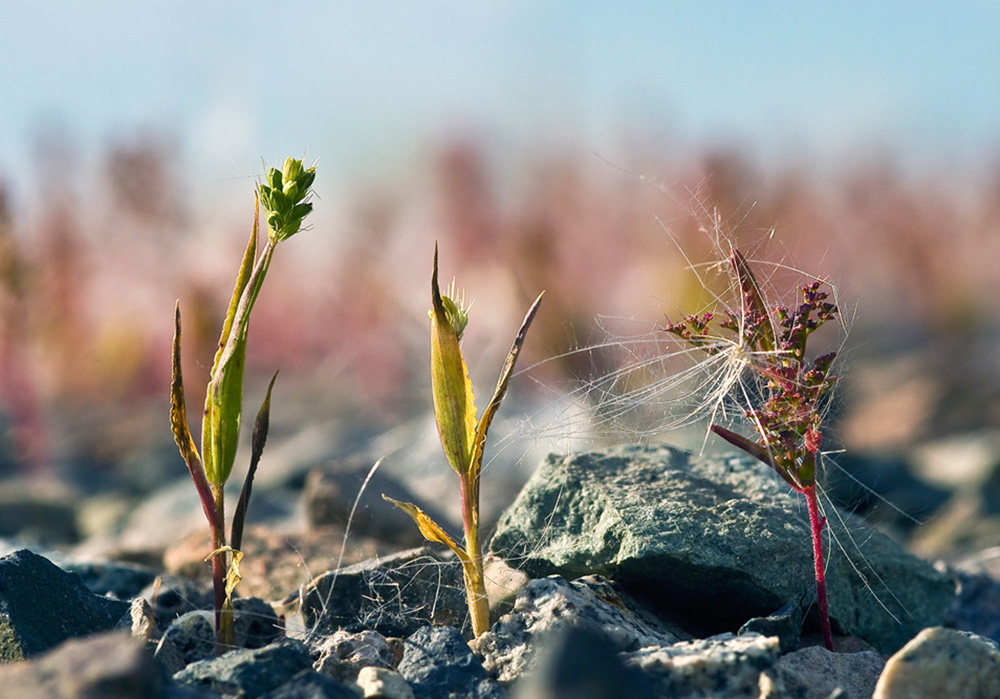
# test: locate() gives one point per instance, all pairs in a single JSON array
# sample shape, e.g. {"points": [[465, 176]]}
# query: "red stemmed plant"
{"points": [[788, 418]]}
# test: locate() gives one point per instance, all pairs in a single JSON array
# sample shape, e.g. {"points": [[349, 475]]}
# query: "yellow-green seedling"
{"points": [[285, 197], [463, 437], [788, 417]]}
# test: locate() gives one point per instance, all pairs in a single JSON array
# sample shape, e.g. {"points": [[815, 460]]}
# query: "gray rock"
{"points": [[816, 673], [548, 606], [718, 537], [977, 607], [249, 673], [942, 662], [42, 513], [41, 606], [394, 596], [171, 596], [140, 622], [330, 494], [720, 666], [439, 664], [255, 623], [310, 684], [379, 683], [114, 579], [110, 664], [343, 654], [579, 662], [785, 623], [189, 639]]}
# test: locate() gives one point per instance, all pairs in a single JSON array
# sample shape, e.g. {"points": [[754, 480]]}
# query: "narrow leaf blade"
{"points": [[755, 450], [502, 381], [751, 293], [179, 424], [454, 402], [258, 441], [429, 528]]}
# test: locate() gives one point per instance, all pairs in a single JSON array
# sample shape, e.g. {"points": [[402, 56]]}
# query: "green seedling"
{"points": [[285, 197], [787, 419], [463, 437]]}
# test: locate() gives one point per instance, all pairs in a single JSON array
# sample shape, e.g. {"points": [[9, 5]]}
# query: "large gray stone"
{"points": [[942, 662], [720, 539], [548, 607], [720, 666], [394, 595], [111, 664], [816, 673], [438, 664], [249, 673], [41, 606]]}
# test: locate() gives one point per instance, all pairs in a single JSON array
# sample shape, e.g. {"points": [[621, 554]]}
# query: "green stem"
{"points": [[475, 586]]}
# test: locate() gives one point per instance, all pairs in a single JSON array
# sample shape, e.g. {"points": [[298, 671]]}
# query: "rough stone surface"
{"points": [[254, 623], [123, 581], [309, 684], [942, 662], [439, 664], [550, 605], [816, 673], [330, 494], [380, 683], [394, 596], [104, 665], [785, 623], [343, 654], [977, 607], [41, 606], [249, 673], [190, 638], [721, 666], [579, 662], [172, 596], [720, 535]]}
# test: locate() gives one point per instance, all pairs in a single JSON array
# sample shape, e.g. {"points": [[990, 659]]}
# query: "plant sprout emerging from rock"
{"points": [[463, 437], [285, 197], [788, 419]]}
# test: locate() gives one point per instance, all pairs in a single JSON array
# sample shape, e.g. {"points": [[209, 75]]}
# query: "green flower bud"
{"points": [[292, 170], [278, 201], [274, 178], [306, 179], [300, 211]]}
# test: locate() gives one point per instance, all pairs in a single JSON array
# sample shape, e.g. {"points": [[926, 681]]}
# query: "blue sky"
{"points": [[359, 84]]}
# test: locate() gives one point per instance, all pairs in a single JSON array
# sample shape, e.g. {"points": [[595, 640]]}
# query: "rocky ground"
{"points": [[635, 571]]}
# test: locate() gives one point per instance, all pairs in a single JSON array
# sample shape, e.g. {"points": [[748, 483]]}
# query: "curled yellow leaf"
{"points": [[429, 528]]}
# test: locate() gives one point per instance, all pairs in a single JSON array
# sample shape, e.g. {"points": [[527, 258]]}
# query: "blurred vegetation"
{"points": [[90, 271]]}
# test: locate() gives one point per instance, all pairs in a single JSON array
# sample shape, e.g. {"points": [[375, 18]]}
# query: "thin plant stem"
{"points": [[475, 586], [220, 566], [816, 524]]}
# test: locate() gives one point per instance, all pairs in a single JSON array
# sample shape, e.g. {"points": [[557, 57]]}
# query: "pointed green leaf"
{"points": [[224, 397], [258, 441], [429, 528], [502, 381], [751, 293], [755, 450], [179, 424], [454, 402]]}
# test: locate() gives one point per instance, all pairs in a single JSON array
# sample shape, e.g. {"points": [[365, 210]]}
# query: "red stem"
{"points": [[816, 525]]}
